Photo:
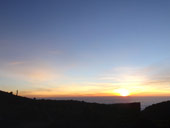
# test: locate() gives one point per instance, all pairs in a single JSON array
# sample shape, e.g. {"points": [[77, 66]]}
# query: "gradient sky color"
{"points": [[85, 47]]}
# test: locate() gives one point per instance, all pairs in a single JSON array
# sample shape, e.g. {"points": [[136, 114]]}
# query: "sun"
{"points": [[122, 92]]}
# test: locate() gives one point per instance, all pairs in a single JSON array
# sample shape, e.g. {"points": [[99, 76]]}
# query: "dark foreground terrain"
{"points": [[21, 112]]}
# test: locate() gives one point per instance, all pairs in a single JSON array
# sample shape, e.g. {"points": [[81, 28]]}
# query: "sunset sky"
{"points": [[85, 47]]}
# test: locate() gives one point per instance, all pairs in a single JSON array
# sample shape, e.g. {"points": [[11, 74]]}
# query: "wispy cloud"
{"points": [[16, 63], [46, 80], [30, 71], [154, 78], [68, 90]]}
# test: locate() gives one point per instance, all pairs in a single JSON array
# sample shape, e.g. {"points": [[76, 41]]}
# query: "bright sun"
{"points": [[122, 92]]}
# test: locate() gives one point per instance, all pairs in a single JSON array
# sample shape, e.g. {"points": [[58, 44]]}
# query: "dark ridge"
{"points": [[159, 114], [21, 112], [159, 111]]}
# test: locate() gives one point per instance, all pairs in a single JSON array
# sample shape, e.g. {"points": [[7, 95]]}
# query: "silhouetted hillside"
{"points": [[158, 113], [20, 112]]}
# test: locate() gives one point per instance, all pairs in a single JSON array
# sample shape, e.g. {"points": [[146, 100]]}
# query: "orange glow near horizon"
{"points": [[122, 92], [86, 91]]}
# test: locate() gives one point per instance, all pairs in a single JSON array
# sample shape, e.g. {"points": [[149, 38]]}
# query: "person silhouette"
{"points": [[17, 93]]}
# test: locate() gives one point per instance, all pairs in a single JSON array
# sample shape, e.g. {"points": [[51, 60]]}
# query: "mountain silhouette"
{"points": [[22, 112]]}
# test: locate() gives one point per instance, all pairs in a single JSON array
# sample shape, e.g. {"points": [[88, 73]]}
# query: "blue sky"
{"points": [[58, 45]]}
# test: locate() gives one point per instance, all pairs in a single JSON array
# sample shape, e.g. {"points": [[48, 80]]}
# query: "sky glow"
{"points": [[85, 48]]}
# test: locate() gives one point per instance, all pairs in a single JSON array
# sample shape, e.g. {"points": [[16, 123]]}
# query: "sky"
{"points": [[85, 47]]}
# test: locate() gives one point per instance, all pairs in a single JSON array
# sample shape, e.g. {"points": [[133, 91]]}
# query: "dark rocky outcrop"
{"points": [[159, 114], [21, 112]]}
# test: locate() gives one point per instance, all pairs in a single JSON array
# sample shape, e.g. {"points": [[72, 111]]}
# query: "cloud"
{"points": [[44, 79], [30, 71], [154, 78], [158, 74], [16, 63], [67, 90], [124, 74]]}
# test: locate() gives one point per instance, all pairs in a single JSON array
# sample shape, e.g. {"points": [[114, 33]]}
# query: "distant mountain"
{"points": [[21, 112]]}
